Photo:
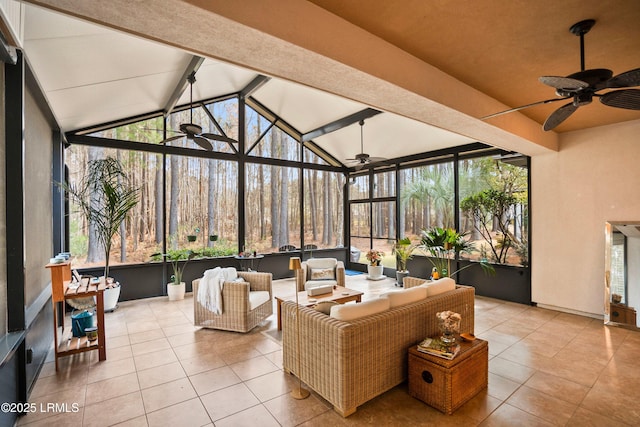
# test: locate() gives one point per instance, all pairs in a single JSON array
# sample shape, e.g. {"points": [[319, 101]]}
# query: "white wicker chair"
{"points": [[237, 314], [303, 277]]}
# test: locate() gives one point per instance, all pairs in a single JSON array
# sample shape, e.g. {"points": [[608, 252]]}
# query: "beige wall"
{"points": [[38, 223], [593, 178], [3, 221]]}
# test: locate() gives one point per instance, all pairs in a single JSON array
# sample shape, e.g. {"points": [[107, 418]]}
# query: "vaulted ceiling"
{"points": [[434, 68]]}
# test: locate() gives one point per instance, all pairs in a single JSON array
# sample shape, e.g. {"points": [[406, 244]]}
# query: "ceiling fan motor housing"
{"points": [[190, 128], [582, 98]]}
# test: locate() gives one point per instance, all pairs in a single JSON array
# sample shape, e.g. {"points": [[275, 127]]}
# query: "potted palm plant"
{"points": [[441, 244], [105, 196], [403, 250]]}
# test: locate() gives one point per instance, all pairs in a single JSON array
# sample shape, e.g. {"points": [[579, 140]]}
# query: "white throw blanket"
{"points": [[210, 290]]}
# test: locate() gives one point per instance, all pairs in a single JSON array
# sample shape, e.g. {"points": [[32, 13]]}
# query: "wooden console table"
{"points": [[60, 292]]}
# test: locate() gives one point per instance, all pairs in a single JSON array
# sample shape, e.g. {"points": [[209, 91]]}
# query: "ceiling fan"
{"points": [[193, 131], [363, 158], [582, 86]]}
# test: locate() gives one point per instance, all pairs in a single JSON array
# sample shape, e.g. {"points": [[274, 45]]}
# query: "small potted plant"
{"points": [[374, 268], [193, 237], [403, 250], [213, 237], [176, 288]]}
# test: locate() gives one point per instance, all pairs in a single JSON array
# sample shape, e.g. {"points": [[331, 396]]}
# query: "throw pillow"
{"points": [[322, 274], [325, 306], [407, 296], [439, 286], [356, 311]]}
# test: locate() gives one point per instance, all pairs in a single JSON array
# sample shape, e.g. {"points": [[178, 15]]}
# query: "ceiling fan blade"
{"points": [[625, 98], [559, 116], [630, 78], [522, 107], [563, 83], [376, 159], [173, 138], [202, 142], [216, 137]]}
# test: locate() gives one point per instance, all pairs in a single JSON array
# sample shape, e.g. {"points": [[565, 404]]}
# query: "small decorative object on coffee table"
{"points": [[449, 323]]}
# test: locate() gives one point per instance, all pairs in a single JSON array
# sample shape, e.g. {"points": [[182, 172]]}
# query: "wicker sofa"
{"points": [[350, 362], [237, 314]]}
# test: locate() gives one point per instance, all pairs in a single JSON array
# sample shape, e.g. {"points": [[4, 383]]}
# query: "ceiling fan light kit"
{"points": [[581, 87]]}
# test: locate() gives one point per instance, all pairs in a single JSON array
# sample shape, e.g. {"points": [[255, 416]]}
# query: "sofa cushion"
{"points": [[363, 309], [325, 306], [407, 296], [439, 286], [257, 298], [322, 262], [323, 274], [314, 263]]}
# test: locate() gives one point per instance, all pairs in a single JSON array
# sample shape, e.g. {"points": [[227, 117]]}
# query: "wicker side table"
{"points": [[448, 384]]}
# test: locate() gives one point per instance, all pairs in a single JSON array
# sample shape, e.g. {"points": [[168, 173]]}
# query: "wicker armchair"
{"points": [[304, 279], [237, 314]]}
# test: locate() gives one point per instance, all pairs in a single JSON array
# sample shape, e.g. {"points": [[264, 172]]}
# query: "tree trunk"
{"points": [[275, 217], [326, 214], [211, 193], [391, 212], [95, 251], [263, 230], [123, 225], [314, 208], [173, 201], [159, 198], [284, 197]]}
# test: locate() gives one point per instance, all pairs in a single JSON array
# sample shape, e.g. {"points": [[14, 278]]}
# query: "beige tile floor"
{"points": [[546, 368]]}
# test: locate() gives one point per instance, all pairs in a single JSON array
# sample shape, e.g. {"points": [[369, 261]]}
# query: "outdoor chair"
{"points": [[320, 272], [245, 303]]}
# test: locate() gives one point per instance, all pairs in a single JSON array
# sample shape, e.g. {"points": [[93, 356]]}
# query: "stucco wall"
{"points": [[592, 179], [38, 227], [3, 221]]}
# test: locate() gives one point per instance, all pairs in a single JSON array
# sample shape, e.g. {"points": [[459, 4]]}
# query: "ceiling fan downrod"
{"points": [[191, 79], [580, 29]]}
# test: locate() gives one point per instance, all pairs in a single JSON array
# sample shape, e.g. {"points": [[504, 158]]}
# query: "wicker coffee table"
{"points": [[448, 384], [340, 295]]}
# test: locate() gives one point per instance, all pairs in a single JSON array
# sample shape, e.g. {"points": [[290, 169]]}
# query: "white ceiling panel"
{"points": [[215, 78], [85, 106], [388, 136], [93, 75], [45, 24], [304, 107]]}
